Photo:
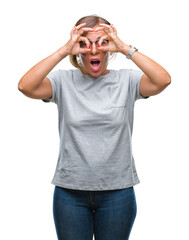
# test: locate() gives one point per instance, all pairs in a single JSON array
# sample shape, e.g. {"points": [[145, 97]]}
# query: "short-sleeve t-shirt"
{"points": [[95, 126]]}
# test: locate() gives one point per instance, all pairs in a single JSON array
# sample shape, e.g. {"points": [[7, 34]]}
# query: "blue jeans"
{"points": [[108, 215]]}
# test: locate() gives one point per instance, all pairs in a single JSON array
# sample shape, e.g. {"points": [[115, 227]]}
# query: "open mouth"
{"points": [[95, 64]]}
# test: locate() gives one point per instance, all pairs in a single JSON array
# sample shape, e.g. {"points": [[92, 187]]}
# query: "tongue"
{"points": [[95, 65]]}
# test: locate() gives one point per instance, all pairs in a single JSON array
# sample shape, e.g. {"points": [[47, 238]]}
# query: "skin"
{"points": [[95, 52], [34, 83], [155, 78]]}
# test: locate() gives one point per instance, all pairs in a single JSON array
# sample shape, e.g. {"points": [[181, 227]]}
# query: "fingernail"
{"points": [[98, 45], [89, 47]]}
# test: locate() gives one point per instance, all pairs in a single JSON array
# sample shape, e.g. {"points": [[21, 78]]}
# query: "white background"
{"points": [[32, 30]]}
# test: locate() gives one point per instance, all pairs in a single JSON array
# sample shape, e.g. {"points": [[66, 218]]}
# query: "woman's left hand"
{"points": [[114, 44]]}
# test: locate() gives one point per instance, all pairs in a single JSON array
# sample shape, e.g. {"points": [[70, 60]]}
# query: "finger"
{"points": [[99, 29], [82, 30], [104, 49], [77, 27], [84, 39], [84, 50], [87, 29], [73, 29], [105, 37], [80, 25], [114, 29], [106, 27]]}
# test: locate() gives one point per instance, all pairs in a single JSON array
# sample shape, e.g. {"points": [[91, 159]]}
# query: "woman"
{"points": [[95, 173]]}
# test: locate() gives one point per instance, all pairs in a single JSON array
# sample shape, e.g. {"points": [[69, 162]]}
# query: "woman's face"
{"points": [[95, 62]]}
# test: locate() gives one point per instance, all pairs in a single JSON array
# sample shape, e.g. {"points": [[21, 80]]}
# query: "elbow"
{"points": [[20, 87], [24, 90], [166, 80]]}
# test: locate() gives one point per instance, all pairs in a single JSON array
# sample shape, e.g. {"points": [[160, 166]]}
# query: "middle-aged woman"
{"points": [[95, 173]]}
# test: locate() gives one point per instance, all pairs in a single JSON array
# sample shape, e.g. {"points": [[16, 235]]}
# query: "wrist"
{"points": [[131, 52], [62, 52], [125, 49]]}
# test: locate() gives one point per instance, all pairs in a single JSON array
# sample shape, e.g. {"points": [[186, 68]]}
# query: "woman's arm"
{"points": [[155, 77], [34, 83]]}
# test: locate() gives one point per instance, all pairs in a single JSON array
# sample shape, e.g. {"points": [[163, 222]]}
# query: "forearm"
{"points": [[155, 72], [33, 78]]}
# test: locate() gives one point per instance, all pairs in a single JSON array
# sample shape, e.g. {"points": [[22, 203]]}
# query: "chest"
{"points": [[104, 105]]}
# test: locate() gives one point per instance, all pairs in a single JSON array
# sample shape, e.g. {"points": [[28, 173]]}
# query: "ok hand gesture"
{"points": [[114, 43], [73, 47]]}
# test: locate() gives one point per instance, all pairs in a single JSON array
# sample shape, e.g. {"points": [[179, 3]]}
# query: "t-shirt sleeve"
{"points": [[135, 77], [55, 79]]}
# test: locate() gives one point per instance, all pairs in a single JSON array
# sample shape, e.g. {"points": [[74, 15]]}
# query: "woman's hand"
{"points": [[72, 47], [114, 43]]}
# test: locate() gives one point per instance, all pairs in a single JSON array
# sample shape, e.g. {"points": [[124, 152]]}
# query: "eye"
{"points": [[105, 42], [82, 44]]}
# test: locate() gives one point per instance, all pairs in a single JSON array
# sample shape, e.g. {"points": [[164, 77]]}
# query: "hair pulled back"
{"points": [[90, 21]]}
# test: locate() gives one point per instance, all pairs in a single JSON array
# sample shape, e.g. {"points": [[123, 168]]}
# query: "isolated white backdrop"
{"points": [[32, 30]]}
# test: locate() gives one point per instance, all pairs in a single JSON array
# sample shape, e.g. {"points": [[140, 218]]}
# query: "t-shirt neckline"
{"points": [[89, 77]]}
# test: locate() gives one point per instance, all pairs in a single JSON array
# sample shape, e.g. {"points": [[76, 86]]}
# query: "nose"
{"points": [[94, 48]]}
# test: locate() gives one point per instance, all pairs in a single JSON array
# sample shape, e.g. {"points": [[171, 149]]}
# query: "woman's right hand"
{"points": [[34, 83], [72, 47]]}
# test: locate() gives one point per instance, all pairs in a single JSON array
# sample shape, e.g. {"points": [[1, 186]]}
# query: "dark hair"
{"points": [[91, 21]]}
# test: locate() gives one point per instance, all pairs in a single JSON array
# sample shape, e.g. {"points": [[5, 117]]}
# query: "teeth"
{"points": [[95, 61]]}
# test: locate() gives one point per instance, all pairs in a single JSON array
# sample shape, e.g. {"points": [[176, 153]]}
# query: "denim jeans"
{"points": [[106, 215]]}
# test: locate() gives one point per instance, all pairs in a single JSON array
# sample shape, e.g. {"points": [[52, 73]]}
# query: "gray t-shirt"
{"points": [[95, 127]]}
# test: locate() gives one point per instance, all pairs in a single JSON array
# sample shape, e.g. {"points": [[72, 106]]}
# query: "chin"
{"points": [[99, 73], [95, 74]]}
